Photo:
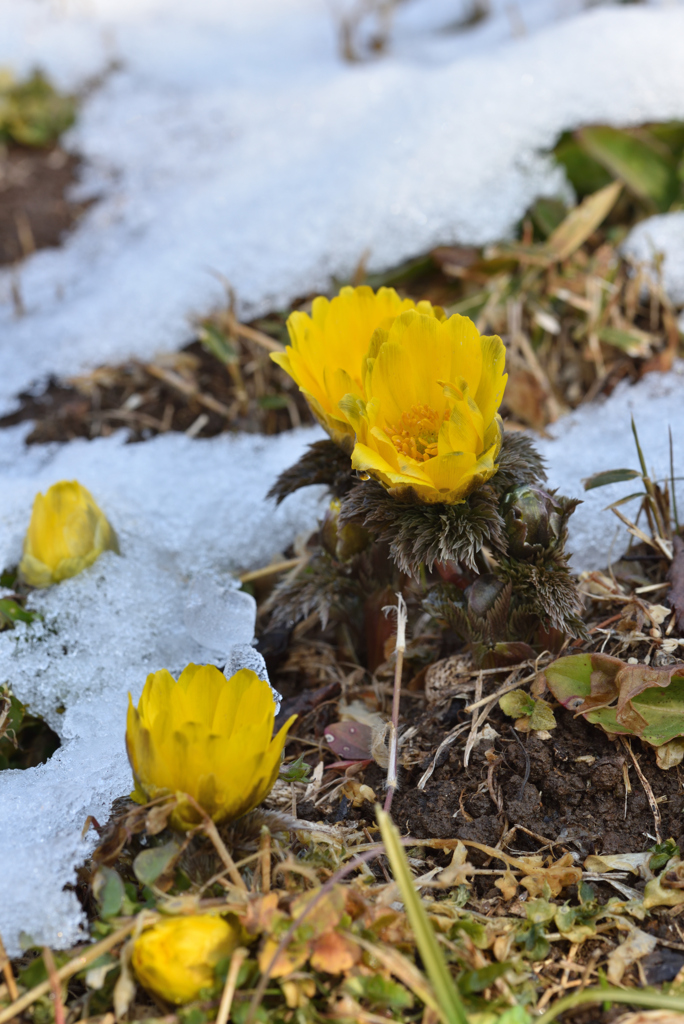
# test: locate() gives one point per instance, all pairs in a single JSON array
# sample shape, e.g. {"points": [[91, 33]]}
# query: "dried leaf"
{"points": [[637, 863], [581, 222], [459, 870], [610, 476], [556, 876], [351, 741], [636, 945], [508, 884], [334, 953]]}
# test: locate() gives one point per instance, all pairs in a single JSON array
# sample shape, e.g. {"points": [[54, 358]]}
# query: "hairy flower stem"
{"points": [[211, 831], [399, 649]]}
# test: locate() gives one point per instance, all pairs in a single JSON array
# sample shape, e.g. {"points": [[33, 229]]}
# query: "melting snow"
{"points": [[232, 142]]}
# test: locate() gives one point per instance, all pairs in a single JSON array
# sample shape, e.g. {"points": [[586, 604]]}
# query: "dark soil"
{"points": [[539, 784], [35, 212]]}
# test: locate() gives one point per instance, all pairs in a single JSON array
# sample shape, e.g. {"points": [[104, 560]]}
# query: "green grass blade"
{"points": [[631, 996], [443, 984]]}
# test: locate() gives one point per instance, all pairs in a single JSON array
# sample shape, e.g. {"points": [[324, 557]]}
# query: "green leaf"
{"points": [[296, 771], [431, 953], [647, 172], [662, 852], [11, 612], [542, 717], [636, 344], [586, 175], [515, 1015], [610, 476], [384, 993], [547, 214], [216, 342], [151, 864], [108, 889], [478, 980], [273, 401], [518, 704]]}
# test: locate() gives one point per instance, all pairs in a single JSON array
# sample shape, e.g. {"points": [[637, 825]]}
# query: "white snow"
{"points": [[598, 437], [184, 511], [234, 143], [661, 237]]}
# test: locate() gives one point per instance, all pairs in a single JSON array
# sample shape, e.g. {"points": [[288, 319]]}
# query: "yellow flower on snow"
{"points": [[206, 736], [430, 424], [176, 958], [67, 532], [328, 349]]}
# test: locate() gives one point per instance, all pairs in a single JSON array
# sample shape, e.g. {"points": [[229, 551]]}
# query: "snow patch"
{"points": [[234, 143]]}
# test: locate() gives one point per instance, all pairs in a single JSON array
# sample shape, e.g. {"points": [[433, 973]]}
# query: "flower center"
{"points": [[416, 432]]}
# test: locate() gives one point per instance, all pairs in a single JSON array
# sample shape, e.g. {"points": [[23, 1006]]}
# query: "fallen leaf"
{"points": [[350, 740], [637, 944], [334, 953]]}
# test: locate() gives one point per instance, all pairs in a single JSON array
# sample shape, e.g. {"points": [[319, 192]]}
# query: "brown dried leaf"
{"points": [[636, 945], [260, 913], [557, 876], [334, 953]]}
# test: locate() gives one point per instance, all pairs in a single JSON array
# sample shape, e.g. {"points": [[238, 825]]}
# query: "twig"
{"points": [[446, 742], [399, 648], [499, 693], [265, 858], [8, 972], [236, 962], [67, 971], [271, 570], [473, 723], [251, 333], [655, 810], [49, 962]]}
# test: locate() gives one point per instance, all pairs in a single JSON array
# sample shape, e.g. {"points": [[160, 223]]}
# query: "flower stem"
{"points": [[400, 647]]}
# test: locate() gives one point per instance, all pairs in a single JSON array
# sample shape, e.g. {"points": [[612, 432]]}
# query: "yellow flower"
{"points": [[328, 349], [176, 958], [429, 424], [206, 736], [67, 532]]}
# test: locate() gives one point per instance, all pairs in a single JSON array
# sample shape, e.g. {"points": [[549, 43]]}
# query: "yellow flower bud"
{"points": [[329, 347], [429, 426], [67, 532], [176, 957], [206, 736]]}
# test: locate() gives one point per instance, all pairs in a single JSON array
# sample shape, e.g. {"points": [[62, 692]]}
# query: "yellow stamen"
{"points": [[416, 433]]}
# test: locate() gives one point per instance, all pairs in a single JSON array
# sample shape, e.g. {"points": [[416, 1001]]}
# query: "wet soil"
{"points": [[35, 211], [569, 789]]}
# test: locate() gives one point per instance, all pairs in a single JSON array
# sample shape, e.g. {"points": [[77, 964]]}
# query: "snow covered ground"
{"points": [[232, 142]]}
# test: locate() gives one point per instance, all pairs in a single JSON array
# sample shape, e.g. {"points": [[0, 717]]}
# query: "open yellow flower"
{"points": [[429, 424], [206, 736], [67, 532], [328, 349], [176, 958]]}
